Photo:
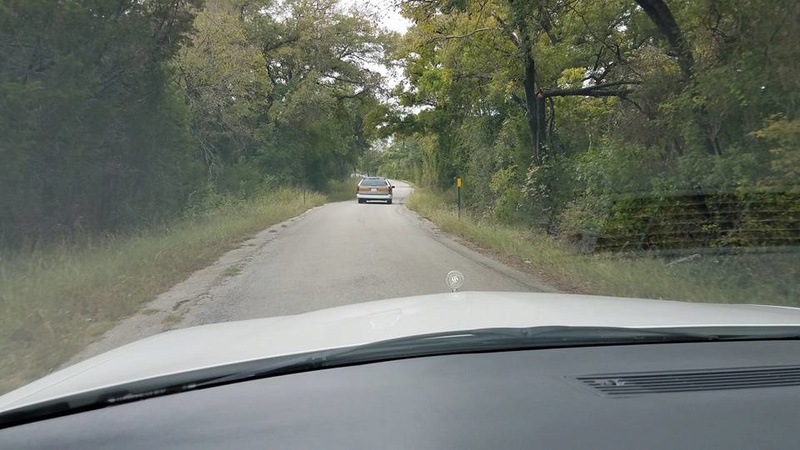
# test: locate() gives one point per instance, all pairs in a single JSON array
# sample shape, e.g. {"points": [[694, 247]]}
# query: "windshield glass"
{"points": [[373, 182], [174, 163]]}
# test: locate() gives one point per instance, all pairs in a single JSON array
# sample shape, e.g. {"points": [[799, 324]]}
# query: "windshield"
{"points": [[174, 163], [373, 182]]}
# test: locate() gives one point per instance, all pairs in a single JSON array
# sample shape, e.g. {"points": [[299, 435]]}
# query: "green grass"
{"points": [[57, 300], [747, 278]]}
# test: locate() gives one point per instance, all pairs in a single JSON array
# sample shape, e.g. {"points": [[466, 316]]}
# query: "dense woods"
{"points": [[93, 135], [630, 123], [120, 114]]}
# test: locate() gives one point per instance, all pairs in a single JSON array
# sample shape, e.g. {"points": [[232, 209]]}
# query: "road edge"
{"points": [[165, 312]]}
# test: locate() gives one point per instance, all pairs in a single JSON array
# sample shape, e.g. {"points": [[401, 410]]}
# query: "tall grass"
{"points": [[746, 278], [56, 300], [341, 190]]}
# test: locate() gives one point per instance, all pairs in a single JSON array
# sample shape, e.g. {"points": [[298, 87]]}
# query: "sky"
{"points": [[391, 17]]}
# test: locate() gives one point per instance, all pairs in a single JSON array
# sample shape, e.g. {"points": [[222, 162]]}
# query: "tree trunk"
{"points": [[533, 109], [662, 17]]}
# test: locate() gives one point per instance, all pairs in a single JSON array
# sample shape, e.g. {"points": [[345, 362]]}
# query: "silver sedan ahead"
{"points": [[374, 188]]}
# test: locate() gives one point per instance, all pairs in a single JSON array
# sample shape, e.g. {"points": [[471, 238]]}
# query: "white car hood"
{"points": [[225, 343]]}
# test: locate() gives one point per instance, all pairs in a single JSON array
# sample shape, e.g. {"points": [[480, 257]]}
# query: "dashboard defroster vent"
{"points": [[633, 384]]}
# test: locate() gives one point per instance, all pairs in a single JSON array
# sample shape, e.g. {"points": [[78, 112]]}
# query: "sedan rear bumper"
{"points": [[374, 196]]}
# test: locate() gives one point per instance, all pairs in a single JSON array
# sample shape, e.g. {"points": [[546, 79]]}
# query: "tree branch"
{"points": [[513, 37], [350, 96], [636, 105], [547, 25], [515, 98], [344, 80], [598, 90], [267, 48], [660, 14], [461, 36]]}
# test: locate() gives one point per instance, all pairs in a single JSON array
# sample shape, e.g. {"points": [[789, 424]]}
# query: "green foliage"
{"points": [[402, 160], [281, 88], [57, 299], [784, 135], [509, 198], [122, 114], [629, 134], [94, 137], [757, 277]]}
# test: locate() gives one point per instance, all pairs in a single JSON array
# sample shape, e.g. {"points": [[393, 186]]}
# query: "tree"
{"points": [[93, 138], [297, 111], [529, 29], [698, 96]]}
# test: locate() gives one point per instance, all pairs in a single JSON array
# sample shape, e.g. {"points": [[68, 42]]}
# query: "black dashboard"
{"points": [[716, 395]]}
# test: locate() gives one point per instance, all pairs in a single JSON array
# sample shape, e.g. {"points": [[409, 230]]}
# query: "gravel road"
{"points": [[332, 255]]}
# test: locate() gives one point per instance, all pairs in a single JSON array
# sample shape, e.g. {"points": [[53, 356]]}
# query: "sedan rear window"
{"points": [[373, 182]]}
